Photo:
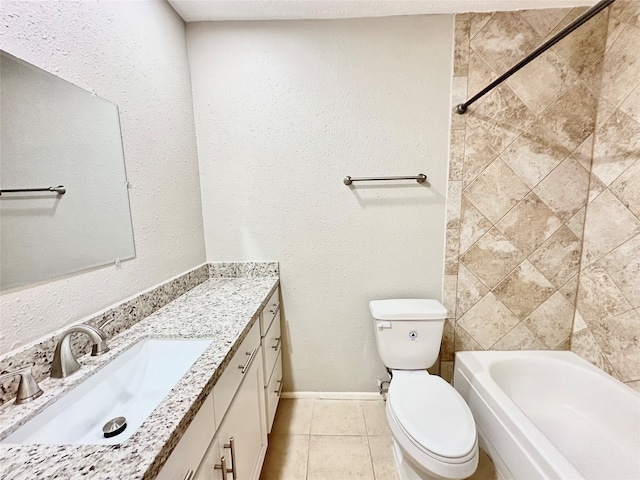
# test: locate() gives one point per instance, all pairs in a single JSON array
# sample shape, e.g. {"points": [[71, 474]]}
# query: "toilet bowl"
{"points": [[434, 432], [433, 429]]}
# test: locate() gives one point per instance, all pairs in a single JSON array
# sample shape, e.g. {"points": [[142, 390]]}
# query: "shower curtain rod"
{"points": [[586, 16]]}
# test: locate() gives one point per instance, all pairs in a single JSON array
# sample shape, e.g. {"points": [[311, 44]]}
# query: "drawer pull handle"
{"points": [[232, 446], [279, 390], [275, 310], [224, 470], [277, 345], [189, 475], [247, 364]]}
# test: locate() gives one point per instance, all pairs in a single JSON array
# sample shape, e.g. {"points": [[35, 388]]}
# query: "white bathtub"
{"points": [[551, 415]]}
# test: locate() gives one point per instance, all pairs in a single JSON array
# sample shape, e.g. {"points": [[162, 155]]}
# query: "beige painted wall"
{"points": [[284, 110], [521, 176]]}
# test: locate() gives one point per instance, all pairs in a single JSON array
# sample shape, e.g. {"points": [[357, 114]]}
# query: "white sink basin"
{"points": [[130, 386]]}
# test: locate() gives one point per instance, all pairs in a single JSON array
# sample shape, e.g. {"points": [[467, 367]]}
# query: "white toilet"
{"points": [[434, 431]]}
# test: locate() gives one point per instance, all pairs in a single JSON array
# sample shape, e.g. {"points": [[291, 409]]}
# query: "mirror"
{"points": [[52, 134]]}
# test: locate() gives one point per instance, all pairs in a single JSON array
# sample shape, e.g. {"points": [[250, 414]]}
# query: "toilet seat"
{"points": [[432, 424]]}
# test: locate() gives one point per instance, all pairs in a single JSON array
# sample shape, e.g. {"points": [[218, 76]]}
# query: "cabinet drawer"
{"points": [[271, 347], [192, 446], [273, 391], [270, 311], [225, 388]]}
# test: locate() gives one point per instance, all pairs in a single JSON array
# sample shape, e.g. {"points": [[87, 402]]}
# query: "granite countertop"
{"points": [[221, 308]]}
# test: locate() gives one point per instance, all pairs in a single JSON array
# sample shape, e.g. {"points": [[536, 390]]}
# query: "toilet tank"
{"points": [[408, 331]]}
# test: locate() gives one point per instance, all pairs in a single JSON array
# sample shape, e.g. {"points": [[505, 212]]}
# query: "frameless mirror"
{"points": [[55, 134]]}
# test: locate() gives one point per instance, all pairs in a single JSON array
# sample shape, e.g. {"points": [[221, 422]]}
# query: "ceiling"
{"points": [[210, 10]]}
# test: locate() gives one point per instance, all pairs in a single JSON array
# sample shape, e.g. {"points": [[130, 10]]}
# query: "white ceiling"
{"points": [[208, 10]]}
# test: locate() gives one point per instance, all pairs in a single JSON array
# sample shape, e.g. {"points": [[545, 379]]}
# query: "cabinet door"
{"points": [[207, 470], [245, 423]]}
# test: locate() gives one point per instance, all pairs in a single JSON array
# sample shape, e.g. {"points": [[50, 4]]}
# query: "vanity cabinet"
{"points": [[235, 418], [271, 354]]}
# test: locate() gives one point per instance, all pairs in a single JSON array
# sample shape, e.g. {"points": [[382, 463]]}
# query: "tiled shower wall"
{"points": [[520, 182]]}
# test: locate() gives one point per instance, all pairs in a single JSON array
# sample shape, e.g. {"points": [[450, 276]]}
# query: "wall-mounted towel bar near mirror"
{"points": [[60, 190], [420, 178]]}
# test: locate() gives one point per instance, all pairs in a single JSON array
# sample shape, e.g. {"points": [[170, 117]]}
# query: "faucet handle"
{"points": [[28, 388]]}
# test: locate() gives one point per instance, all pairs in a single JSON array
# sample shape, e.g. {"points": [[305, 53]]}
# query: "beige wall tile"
{"points": [[631, 104], [535, 154], [446, 371], [500, 118], [452, 246], [461, 47], [454, 197], [465, 342], [375, 417], [449, 289], [542, 81], [596, 187], [473, 225], [487, 321], [616, 147], [572, 116], [599, 297], [627, 188], [293, 417], [627, 11], [384, 463], [623, 266], [570, 289], [584, 344], [608, 224], [480, 74], [576, 223], [286, 458], [496, 190], [558, 259], [565, 190], [458, 96], [545, 20], [478, 21], [470, 290], [551, 322], [529, 224], [519, 338], [524, 290], [584, 152], [477, 156], [585, 45], [337, 417], [339, 457], [448, 339], [456, 158], [617, 74], [505, 40], [491, 258]]}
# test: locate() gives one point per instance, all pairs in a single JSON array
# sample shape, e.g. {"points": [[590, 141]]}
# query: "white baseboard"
{"points": [[334, 395]]}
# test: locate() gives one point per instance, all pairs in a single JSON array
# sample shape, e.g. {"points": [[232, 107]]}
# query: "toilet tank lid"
{"points": [[407, 309]]}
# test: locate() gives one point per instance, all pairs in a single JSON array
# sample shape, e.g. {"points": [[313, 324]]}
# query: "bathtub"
{"points": [[551, 415]]}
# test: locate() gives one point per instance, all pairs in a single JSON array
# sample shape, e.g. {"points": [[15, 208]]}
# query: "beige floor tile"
{"points": [[339, 458], [337, 417], [375, 417], [286, 458], [384, 463], [293, 417], [486, 470]]}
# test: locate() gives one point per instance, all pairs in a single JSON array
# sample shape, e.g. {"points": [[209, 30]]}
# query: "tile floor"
{"points": [[336, 440]]}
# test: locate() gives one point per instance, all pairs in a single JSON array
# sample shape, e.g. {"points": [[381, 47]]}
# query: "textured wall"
{"points": [[284, 110], [607, 326], [522, 181], [133, 54]]}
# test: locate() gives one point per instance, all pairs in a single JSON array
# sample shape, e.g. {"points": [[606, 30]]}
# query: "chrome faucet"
{"points": [[28, 388], [64, 362]]}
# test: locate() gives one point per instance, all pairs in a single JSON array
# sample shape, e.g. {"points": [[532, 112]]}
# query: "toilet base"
{"points": [[406, 469]]}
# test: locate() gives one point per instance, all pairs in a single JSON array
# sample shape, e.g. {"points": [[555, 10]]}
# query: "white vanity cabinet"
{"points": [[272, 356]]}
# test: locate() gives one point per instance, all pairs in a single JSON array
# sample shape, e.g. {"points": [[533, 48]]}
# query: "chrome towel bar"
{"points": [[60, 190], [420, 178]]}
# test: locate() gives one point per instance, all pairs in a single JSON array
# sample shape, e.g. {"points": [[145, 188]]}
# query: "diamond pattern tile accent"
{"points": [[496, 190], [558, 259], [616, 147], [491, 258], [525, 278], [473, 225], [519, 338], [477, 156], [544, 21], [627, 188], [551, 322], [488, 321]]}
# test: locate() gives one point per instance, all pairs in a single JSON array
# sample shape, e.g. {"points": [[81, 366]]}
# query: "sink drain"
{"points": [[114, 427]]}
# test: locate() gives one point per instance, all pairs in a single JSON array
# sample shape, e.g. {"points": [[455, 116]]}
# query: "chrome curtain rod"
{"points": [[60, 190], [420, 178], [586, 16]]}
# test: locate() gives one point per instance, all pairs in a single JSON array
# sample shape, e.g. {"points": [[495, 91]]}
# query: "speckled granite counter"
{"points": [[221, 308]]}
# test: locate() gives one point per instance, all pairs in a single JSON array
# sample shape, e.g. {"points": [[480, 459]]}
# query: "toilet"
{"points": [[433, 429]]}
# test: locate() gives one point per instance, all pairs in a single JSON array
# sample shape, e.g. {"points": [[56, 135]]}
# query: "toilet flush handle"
{"points": [[382, 325]]}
